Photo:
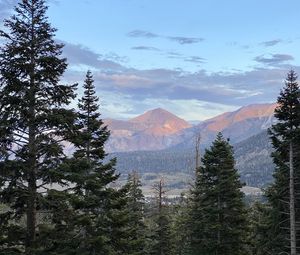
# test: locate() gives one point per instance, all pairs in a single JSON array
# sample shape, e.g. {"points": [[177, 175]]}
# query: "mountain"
{"points": [[262, 112], [252, 156], [161, 122], [253, 160], [237, 126], [159, 129], [154, 130]]}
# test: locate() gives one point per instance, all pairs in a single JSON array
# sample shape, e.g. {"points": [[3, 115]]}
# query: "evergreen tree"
{"points": [[97, 209], [283, 194], [33, 122], [161, 243], [259, 232], [179, 227], [136, 229], [218, 215]]}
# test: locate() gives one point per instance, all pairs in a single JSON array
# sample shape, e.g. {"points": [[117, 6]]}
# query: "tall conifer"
{"points": [[136, 229], [283, 195], [97, 210], [33, 121], [217, 218]]}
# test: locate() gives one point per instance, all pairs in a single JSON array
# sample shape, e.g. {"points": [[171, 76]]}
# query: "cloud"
{"points": [[142, 34], [274, 59], [271, 43], [179, 39], [234, 88], [195, 59], [122, 106], [185, 40], [258, 85], [112, 56], [128, 81], [148, 48], [79, 55], [175, 55], [192, 96]]}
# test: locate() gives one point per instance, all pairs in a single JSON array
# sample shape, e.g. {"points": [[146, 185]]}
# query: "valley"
{"points": [[159, 144]]}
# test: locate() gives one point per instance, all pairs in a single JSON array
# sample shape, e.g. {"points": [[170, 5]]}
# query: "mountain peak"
{"points": [[159, 109], [161, 122], [159, 129], [157, 115]]}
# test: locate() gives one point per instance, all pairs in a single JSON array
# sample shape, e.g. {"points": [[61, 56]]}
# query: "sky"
{"points": [[195, 58]]}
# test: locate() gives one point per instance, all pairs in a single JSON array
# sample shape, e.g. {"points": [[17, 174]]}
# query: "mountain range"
{"points": [[159, 129], [158, 142]]}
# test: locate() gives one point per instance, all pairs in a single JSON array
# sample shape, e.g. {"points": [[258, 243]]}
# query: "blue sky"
{"points": [[194, 58]]}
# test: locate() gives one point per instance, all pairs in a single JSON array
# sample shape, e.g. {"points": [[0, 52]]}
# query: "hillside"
{"points": [[252, 160], [154, 130], [159, 129], [238, 125]]}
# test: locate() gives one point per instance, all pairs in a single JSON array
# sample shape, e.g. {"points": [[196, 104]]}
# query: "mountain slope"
{"points": [[237, 126], [159, 129], [252, 156], [253, 160], [154, 130], [161, 122]]}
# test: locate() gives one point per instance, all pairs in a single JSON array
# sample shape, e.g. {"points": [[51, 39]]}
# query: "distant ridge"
{"points": [[254, 111], [153, 130], [159, 129], [161, 122]]}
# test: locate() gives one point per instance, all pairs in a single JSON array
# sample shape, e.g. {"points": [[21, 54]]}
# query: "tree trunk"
{"points": [[292, 204], [32, 149], [219, 222], [197, 152], [32, 189], [31, 209]]}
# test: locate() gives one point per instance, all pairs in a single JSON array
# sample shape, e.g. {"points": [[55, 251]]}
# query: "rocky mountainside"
{"points": [[154, 130], [159, 129], [237, 126]]}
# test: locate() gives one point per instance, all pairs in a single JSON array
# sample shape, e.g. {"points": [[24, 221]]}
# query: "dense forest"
{"points": [[252, 156], [55, 203]]}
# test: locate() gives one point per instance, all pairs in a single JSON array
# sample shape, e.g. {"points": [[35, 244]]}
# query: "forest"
{"points": [[57, 203]]}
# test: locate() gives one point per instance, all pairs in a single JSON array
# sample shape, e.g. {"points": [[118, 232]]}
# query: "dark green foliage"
{"points": [[97, 214], [161, 242], [253, 161], [282, 133], [260, 236], [93, 134], [136, 228], [33, 122], [218, 216], [179, 226]]}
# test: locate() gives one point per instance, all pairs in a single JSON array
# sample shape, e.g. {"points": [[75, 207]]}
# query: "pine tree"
{"points": [[33, 122], [180, 227], [93, 134], [136, 229], [218, 215], [97, 210], [259, 232], [283, 194]]}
